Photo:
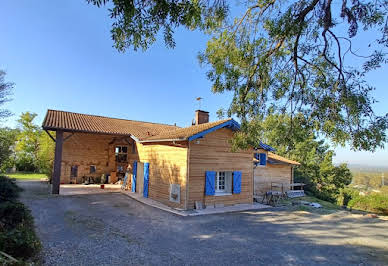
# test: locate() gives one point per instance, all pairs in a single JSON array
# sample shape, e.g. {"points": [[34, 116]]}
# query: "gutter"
{"points": [[161, 140]]}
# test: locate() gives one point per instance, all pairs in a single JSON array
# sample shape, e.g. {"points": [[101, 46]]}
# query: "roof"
{"points": [[142, 131], [273, 156], [75, 122], [194, 132], [276, 159], [265, 147]]}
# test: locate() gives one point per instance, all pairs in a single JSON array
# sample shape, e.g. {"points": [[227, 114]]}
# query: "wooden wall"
{"points": [[213, 153], [167, 165], [277, 173], [84, 150]]}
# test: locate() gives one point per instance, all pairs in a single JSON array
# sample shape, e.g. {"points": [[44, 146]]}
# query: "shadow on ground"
{"points": [[106, 229]]}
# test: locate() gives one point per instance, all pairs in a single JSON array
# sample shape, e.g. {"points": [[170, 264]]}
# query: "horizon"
{"points": [[70, 65]]}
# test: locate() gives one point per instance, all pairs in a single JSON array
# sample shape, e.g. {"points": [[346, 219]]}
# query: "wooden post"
{"points": [[57, 162]]}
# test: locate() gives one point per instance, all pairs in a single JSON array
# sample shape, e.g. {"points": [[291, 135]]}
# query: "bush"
{"points": [[371, 202], [8, 189], [345, 195], [374, 202], [17, 234]]}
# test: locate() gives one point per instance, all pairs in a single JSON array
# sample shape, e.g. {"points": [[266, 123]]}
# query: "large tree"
{"points": [[296, 139], [27, 144], [5, 91], [278, 57]]}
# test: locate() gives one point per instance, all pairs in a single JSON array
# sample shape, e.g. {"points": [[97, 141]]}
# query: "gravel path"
{"points": [[112, 229]]}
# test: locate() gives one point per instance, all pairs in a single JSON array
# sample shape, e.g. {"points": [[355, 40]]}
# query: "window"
{"points": [[92, 169], [121, 154], [223, 183], [262, 159], [74, 171]]}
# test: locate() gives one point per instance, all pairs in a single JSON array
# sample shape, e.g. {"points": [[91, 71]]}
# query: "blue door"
{"points": [[146, 179], [134, 176]]}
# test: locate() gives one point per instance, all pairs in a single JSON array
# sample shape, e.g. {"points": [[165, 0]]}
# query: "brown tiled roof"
{"points": [[69, 121], [185, 133], [279, 158]]}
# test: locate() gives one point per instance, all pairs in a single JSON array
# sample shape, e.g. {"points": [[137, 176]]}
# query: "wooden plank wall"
{"points": [[213, 153], [84, 150], [263, 176], [168, 165]]}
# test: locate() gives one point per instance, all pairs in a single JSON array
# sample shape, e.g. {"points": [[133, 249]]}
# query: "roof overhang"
{"points": [[233, 125], [264, 146]]}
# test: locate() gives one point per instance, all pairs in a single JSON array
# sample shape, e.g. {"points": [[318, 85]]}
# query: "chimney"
{"points": [[201, 117]]}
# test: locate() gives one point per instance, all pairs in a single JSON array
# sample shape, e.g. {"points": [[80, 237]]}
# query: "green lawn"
{"points": [[27, 176]]}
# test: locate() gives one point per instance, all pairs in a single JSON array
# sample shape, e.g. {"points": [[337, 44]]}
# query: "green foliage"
{"points": [[278, 57], [285, 57], [45, 158], [8, 189], [137, 23], [27, 144], [7, 141], [34, 148], [17, 235], [366, 201], [295, 139], [5, 91]]}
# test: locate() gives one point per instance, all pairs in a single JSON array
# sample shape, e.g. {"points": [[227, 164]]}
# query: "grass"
{"points": [[327, 207], [27, 176]]}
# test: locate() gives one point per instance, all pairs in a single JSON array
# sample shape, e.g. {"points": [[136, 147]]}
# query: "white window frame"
{"points": [[117, 154], [221, 192]]}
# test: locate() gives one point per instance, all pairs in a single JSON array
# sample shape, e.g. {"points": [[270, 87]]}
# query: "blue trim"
{"points": [[229, 124], [263, 159], [237, 182], [146, 179], [210, 183], [265, 147], [134, 174]]}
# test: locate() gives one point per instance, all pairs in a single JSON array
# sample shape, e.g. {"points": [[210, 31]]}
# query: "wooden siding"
{"points": [[213, 153], [168, 165], [277, 173], [84, 150]]}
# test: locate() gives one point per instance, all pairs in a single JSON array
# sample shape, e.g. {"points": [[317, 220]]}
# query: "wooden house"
{"points": [[272, 172], [180, 167]]}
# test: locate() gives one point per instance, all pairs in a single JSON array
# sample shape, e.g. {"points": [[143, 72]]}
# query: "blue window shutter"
{"points": [[263, 159], [134, 176], [237, 182], [146, 179], [210, 183]]}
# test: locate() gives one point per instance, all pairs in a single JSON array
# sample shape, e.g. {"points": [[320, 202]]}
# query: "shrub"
{"points": [[345, 195], [8, 189], [374, 202], [17, 235], [371, 202]]}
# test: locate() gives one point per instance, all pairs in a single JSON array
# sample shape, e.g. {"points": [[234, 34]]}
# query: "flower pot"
{"points": [[102, 186]]}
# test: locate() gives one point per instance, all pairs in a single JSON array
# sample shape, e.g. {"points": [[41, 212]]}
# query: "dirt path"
{"points": [[112, 229]]}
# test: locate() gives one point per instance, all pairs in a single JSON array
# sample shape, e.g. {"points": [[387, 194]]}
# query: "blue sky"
{"points": [[60, 56]]}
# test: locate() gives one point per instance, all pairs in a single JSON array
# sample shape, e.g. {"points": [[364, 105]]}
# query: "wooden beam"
{"points": [[57, 163], [48, 133], [72, 133]]}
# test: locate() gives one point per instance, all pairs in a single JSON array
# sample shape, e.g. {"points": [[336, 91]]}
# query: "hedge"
{"points": [[17, 234]]}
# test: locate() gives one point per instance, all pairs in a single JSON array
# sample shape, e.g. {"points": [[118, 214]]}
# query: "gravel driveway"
{"points": [[113, 229]]}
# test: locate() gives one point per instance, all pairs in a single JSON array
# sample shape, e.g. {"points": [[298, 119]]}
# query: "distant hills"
{"points": [[367, 168]]}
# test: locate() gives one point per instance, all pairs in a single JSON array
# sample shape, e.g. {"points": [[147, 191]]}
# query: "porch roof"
{"points": [[75, 122]]}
